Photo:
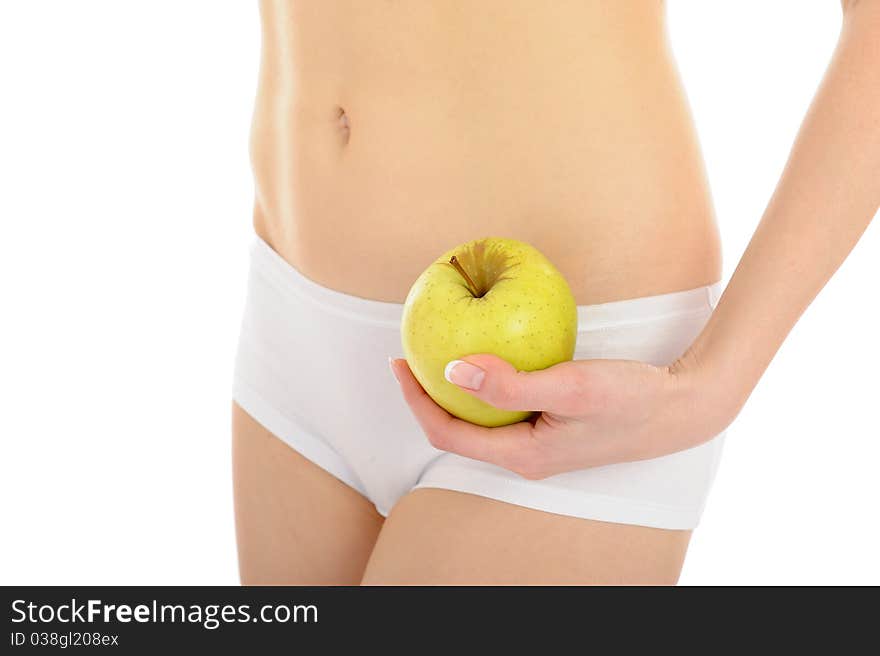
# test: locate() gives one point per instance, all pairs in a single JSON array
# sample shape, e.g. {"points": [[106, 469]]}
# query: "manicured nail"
{"points": [[464, 374], [393, 370]]}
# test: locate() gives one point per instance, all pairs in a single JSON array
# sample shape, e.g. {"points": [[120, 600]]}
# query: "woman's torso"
{"points": [[562, 124]]}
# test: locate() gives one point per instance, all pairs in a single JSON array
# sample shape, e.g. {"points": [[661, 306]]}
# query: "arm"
{"points": [[597, 412], [828, 193]]}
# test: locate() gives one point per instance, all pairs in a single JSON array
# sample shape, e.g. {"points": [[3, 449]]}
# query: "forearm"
{"points": [[827, 196]]}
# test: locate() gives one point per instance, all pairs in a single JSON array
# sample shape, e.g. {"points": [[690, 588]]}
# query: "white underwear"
{"points": [[312, 368]]}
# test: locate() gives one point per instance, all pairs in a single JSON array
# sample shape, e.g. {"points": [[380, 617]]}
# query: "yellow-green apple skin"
{"points": [[522, 311]]}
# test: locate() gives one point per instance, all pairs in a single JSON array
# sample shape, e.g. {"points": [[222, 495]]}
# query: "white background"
{"points": [[125, 200]]}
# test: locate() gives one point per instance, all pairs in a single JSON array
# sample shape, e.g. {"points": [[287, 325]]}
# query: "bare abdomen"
{"points": [[385, 137]]}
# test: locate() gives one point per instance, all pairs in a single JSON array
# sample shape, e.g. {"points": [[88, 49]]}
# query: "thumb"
{"points": [[498, 383]]}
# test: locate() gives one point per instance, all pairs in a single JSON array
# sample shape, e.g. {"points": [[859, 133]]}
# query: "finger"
{"points": [[557, 389], [505, 446]]}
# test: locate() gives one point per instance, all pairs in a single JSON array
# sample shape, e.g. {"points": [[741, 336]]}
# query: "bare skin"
{"points": [[298, 525], [600, 412], [295, 523], [564, 126], [437, 537], [406, 128]]}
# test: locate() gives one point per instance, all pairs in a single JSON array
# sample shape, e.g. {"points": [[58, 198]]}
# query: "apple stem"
{"points": [[464, 274]]}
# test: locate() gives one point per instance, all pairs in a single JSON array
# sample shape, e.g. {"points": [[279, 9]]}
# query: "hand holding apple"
{"points": [[594, 413], [490, 295]]}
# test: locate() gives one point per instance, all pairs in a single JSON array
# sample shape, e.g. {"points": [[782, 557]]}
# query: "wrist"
{"points": [[708, 394]]}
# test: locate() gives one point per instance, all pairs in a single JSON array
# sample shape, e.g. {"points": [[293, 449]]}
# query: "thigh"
{"points": [[436, 536], [295, 523]]}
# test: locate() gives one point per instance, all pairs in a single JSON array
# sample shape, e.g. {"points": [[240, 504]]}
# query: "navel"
{"points": [[342, 124]]}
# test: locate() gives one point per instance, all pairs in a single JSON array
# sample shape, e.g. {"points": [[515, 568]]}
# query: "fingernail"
{"points": [[393, 370], [464, 374]]}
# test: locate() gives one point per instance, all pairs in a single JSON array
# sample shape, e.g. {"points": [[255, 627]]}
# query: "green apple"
{"points": [[490, 295]]}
